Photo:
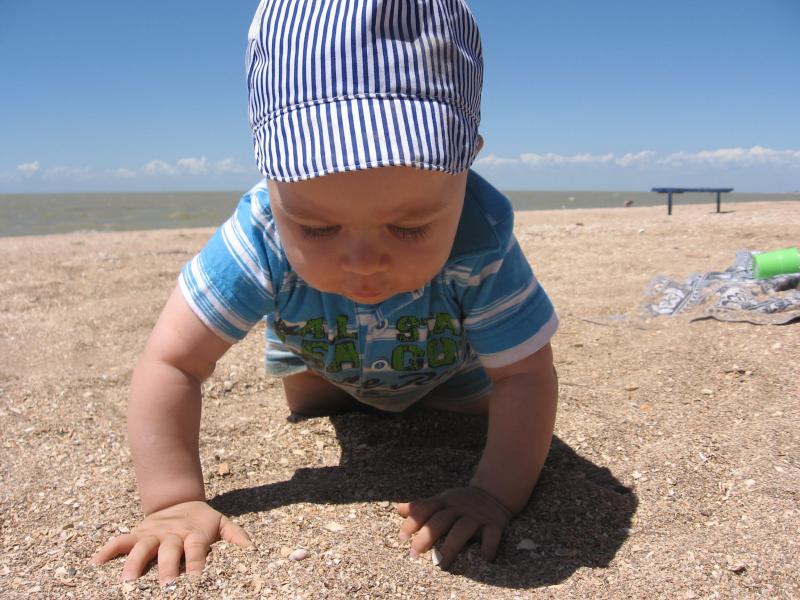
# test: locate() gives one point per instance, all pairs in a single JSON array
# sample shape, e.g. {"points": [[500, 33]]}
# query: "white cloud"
{"points": [[639, 159], [493, 159], [193, 166], [735, 157], [723, 158], [758, 161], [158, 167], [28, 168], [67, 172], [544, 160], [122, 173], [560, 159]]}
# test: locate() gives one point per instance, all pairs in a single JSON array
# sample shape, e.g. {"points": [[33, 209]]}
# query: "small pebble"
{"points": [[224, 469], [526, 544], [61, 572], [737, 567], [299, 554], [334, 526], [436, 557], [707, 392], [227, 385], [631, 387]]}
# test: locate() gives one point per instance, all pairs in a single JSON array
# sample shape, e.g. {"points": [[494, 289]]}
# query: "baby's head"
{"points": [[365, 119]]}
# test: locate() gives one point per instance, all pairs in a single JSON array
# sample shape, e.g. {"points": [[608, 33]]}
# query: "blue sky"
{"points": [[578, 94]]}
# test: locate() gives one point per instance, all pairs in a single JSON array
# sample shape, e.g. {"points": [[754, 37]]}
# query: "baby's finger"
{"points": [[195, 547], [417, 514], [490, 541], [460, 533], [142, 553], [169, 558], [231, 532], [121, 544], [432, 530], [403, 508]]}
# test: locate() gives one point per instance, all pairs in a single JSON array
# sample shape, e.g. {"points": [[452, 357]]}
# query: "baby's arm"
{"points": [[163, 431], [522, 412]]}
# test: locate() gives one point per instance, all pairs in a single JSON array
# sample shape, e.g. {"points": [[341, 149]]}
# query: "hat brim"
{"points": [[348, 134]]}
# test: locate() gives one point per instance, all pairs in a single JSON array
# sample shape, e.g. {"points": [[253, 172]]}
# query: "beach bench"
{"points": [[675, 190]]}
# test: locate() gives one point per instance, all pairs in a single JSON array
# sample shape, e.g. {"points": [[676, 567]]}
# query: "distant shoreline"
{"points": [[44, 214]]}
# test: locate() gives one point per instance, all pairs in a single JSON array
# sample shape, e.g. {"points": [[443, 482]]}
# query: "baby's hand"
{"points": [[188, 528], [461, 513]]}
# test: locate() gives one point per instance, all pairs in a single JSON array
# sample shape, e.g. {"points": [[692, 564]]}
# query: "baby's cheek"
{"points": [[317, 268]]}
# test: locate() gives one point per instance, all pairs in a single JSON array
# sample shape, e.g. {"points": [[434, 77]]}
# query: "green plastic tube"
{"points": [[779, 262]]}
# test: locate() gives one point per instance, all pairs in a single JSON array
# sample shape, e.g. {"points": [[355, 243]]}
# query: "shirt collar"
{"points": [[476, 233]]}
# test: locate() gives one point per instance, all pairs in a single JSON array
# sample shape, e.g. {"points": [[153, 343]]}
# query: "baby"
{"points": [[387, 273]]}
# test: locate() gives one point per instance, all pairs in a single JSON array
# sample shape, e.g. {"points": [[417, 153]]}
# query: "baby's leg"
{"points": [[467, 392], [479, 406], [309, 395]]}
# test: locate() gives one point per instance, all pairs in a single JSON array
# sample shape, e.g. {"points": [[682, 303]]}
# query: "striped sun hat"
{"points": [[339, 85]]}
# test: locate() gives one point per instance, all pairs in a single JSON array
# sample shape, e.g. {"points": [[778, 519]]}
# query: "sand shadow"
{"points": [[578, 516]]}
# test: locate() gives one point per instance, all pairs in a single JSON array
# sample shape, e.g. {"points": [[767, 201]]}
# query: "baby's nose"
{"points": [[365, 258]]}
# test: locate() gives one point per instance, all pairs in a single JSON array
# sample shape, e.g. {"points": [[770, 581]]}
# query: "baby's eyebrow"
{"points": [[422, 211], [298, 211]]}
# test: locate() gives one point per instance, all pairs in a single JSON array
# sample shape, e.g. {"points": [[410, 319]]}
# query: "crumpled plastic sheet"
{"points": [[730, 295]]}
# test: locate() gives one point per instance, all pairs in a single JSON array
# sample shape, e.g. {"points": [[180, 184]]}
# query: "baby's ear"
{"points": [[480, 143]]}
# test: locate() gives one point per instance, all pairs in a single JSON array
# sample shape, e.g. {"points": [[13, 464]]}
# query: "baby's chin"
{"points": [[367, 296]]}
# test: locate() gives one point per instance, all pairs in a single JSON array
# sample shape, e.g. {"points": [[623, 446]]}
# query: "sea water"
{"points": [[38, 214]]}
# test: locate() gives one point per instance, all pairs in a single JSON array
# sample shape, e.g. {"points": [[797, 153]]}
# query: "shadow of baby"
{"points": [[579, 514]]}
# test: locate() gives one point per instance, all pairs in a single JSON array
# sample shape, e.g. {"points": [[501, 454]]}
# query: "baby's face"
{"points": [[370, 234]]}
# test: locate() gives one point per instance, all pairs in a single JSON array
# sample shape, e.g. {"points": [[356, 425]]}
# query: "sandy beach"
{"points": [[674, 472]]}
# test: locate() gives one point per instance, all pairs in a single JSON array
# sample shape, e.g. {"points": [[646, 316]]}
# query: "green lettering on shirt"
{"points": [[442, 352], [407, 329], [416, 359], [444, 322], [341, 328], [344, 352], [314, 327], [314, 351]]}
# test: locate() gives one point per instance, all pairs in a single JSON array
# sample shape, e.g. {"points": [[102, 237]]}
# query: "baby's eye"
{"points": [[319, 233], [410, 234]]}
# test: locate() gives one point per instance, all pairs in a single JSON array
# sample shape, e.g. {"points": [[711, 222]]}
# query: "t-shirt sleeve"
{"points": [[507, 315], [229, 284]]}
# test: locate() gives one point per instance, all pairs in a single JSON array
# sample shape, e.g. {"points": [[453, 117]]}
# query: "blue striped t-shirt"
{"points": [[485, 301]]}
